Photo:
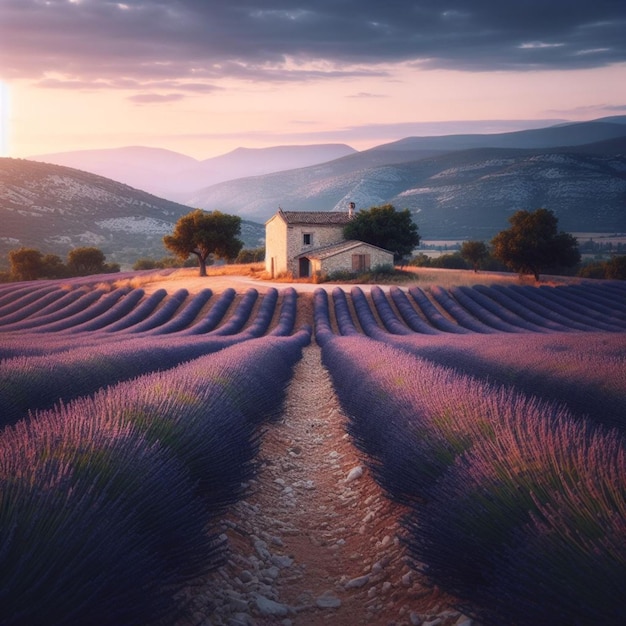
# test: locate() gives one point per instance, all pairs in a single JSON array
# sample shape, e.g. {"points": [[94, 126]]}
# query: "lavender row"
{"points": [[125, 310], [101, 306], [286, 322], [605, 294], [172, 319], [493, 308], [321, 316], [22, 304], [476, 310], [409, 315], [108, 501], [75, 303], [365, 315], [490, 316], [585, 302], [517, 508], [49, 302], [36, 382], [343, 316], [576, 317], [459, 310], [432, 315], [584, 371], [461, 315]]}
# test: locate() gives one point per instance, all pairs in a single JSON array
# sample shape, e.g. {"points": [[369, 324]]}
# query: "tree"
{"points": [[532, 243], [203, 233], [474, 253], [386, 228], [251, 255], [85, 261], [53, 266], [616, 268], [450, 261], [26, 263]]}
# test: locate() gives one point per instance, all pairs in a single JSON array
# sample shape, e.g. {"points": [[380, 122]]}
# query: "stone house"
{"points": [[305, 243]]}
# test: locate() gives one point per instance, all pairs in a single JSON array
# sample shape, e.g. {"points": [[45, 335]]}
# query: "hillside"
{"points": [[457, 186], [462, 193], [55, 208], [173, 175]]}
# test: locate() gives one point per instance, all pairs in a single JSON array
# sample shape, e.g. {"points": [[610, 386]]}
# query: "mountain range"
{"points": [[456, 186], [173, 175]]}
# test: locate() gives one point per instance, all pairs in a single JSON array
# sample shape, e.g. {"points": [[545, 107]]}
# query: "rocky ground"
{"points": [[315, 541]]}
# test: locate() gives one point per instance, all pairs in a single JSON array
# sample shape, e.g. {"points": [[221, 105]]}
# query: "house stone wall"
{"points": [[284, 243], [276, 246], [320, 236], [343, 260]]}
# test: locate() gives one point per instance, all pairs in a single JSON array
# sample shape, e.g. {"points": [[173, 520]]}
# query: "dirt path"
{"points": [[315, 541]]}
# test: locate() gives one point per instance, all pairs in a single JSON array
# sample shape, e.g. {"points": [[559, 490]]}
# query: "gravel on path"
{"points": [[315, 541]]}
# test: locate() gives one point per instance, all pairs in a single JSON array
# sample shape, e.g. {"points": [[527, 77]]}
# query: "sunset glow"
{"points": [[202, 79]]}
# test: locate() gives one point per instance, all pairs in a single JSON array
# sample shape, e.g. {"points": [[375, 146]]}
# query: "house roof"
{"points": [[315, 217], [336, 248]]}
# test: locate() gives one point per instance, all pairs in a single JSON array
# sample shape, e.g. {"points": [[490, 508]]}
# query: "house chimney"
{"points": [[351, 208]]}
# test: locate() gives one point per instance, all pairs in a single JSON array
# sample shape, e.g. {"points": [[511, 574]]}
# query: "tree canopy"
{"points": [[85, 261], [474, 253], [386, 228], [532, 243], [204, 233], [31, 264], [26, 263]]}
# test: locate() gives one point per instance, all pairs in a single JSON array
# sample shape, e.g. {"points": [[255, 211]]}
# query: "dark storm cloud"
{"points": [[204, 40]]}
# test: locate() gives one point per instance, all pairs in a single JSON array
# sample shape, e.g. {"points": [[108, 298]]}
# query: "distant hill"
{"points": [[172, 175], [456, 186], [55, 208], [454, 191]]}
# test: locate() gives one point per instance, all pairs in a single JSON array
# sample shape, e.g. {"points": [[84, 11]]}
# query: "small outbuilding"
{"points": [[304, 243]]}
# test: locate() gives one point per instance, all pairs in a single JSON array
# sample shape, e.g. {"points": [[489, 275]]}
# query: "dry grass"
{"points": [[426, 276], [254, 274]]}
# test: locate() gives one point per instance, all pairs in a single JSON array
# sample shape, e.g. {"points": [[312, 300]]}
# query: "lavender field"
{"points": [[495, 414]]}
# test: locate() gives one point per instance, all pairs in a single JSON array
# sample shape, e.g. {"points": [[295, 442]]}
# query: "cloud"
{"points": [[592, 110], [366, 95], [200, 41], [373, 133], [154, 98]]}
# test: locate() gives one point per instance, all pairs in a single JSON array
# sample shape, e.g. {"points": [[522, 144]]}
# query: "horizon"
{"points": [[468, 127], [203, 79]]}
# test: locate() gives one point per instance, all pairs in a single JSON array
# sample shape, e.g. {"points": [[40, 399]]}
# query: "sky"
{"points": [[203, 77]]}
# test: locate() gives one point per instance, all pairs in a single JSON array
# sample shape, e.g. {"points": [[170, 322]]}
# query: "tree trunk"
{"points": [[202, 265]]}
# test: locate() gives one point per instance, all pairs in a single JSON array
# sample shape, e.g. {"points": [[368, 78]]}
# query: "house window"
{"points": [[360, 262], [307, 239]]}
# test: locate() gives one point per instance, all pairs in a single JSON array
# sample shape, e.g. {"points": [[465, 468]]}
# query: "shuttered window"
{"points": [[360, 262]]}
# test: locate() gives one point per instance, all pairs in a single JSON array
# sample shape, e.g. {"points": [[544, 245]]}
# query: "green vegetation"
{"points": [[203, 234], [31, 264], [382, 274], [146, 263], [386, 228], [532, 244], [475, 253], [614, 268], [251, 255]]}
